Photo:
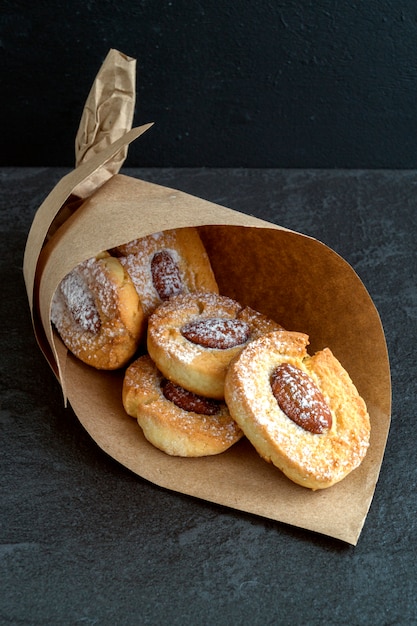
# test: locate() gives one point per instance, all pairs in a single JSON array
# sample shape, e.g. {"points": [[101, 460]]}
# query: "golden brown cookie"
{"points": [[165, 264], [193, 337], [174, 420], [302, 413], [97, 312]]}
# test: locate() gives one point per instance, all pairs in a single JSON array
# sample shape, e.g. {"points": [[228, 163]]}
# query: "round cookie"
{"points": [[203, 428], [302, 413], [193, 337], [167, 263], [97, 312]]}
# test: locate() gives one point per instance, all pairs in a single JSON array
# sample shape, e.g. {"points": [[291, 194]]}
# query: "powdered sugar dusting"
{"points": [[168, 319], [144, 390], [139, 268], [79, 301], [75, 296], [166, 275], [105, 290], [85, 312], [217, 332], [325, 456], [300, 399]]}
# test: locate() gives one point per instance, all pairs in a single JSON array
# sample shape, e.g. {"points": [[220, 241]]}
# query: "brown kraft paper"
{"points": [[293, 278]]}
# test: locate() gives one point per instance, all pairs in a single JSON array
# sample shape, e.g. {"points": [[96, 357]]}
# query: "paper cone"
{"points": [[292, 278]]}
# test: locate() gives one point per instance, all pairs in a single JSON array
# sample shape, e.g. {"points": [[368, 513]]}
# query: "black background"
{"points": [[326, 84]]}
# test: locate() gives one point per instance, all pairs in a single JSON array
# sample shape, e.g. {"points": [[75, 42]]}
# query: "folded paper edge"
{"points": [[57, 197], [47, 212], [126, 67], [107, 115]]}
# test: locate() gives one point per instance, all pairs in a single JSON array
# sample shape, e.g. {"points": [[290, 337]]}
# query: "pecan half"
{"points": [[165, 275], [187, 400], [80, 302], [216, 332], [300, 399]]}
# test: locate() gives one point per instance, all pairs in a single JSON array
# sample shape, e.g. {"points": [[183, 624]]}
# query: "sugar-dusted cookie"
{"points": [[302, 413], [165, 264], [97, 312], [193, 337], [174, 420]]}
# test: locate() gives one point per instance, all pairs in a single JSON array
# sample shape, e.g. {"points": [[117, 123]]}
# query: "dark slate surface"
{"points": [[84, 541], [249, 84]]}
